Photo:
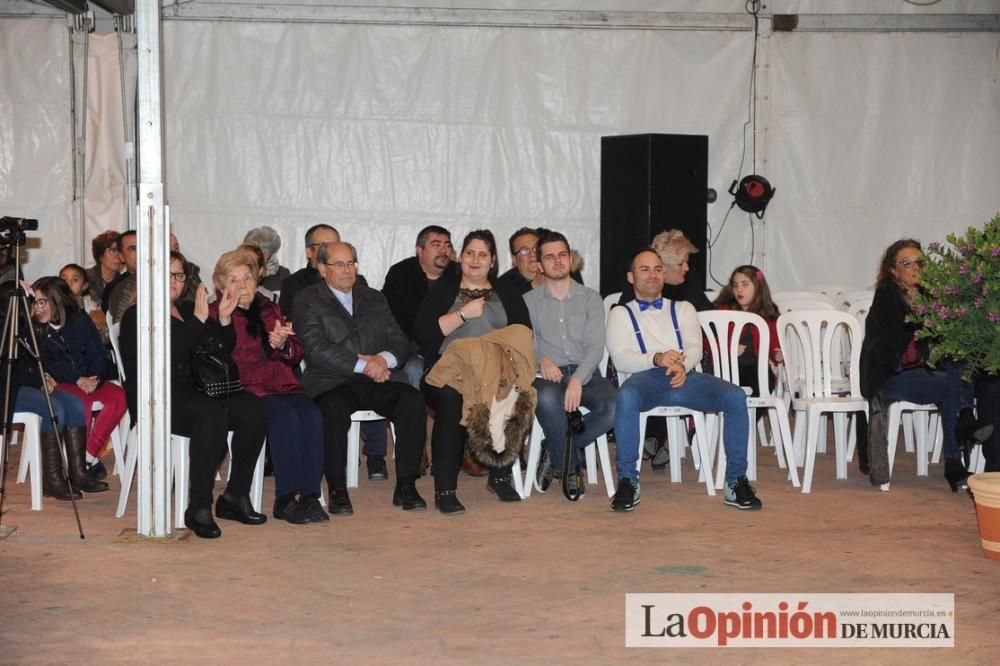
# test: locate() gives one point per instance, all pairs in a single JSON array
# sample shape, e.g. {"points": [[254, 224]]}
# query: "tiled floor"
{"points": [[543, 581]]}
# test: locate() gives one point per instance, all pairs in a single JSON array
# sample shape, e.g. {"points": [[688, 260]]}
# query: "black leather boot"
{"points": [[75, 440], [53, 479], [500, 484], [956, 474]]}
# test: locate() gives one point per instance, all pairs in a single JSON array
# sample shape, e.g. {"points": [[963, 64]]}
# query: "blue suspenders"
{"points": [[638, 334]]}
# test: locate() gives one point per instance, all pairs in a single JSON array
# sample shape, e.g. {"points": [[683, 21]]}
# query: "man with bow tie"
{"points": [[658, 342]]}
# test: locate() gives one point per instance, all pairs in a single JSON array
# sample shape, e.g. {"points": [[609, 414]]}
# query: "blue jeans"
{"points": [[700, 391], [67, 407], [598, 397], [943, 387], [295, 437]]}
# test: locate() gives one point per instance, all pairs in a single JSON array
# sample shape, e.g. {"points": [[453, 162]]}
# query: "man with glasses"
{"points": [[319, 236], [352, 343], [526, 274]]}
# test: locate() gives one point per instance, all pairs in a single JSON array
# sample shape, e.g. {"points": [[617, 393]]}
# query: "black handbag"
{"points": [[213, 370]]}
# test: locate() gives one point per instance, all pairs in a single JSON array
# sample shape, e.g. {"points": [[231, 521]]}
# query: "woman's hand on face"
{"points": [[201, 303], [227, 304], [474, 308]]}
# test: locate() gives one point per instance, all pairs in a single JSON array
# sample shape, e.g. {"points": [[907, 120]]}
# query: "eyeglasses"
{"points": [[908, 263], [41, 302], [526, 250], [178, 277], [341, 265]]}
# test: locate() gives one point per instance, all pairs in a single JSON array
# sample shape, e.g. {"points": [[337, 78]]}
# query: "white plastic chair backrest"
{"points": [[722, 330], [609, 302], [815, 334], [859, 310], [114, 328], [845, 299], [831, 290], [789, 304], [711, 294], [779, 297]]}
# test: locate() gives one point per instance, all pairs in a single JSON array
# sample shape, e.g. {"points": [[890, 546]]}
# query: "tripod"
{"points": [[12, 234]]}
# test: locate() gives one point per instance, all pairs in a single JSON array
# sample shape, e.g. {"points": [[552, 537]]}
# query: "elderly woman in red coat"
{"points": [[266, 352]]}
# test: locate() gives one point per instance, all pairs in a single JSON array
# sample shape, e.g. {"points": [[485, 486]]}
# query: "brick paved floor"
{"points": [[542, 581]]}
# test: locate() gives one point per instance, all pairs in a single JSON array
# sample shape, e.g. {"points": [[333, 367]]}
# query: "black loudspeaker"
{"points": [[650, 183]]}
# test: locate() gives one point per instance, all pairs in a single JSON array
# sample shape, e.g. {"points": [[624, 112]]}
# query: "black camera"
{"points": [[15, 227], [575, 421]]}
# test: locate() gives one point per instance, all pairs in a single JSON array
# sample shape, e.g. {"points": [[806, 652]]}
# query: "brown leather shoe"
{"points": [[472, 468]]}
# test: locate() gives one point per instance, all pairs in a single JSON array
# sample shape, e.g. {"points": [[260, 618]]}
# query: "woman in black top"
{"points": [[465, 305], [894, 362], [207, 421]]}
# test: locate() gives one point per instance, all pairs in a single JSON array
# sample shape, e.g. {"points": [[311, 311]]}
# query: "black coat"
{"points": [[333, 337], [405, 286], [75, 350], [887, 335], [427, 330]]}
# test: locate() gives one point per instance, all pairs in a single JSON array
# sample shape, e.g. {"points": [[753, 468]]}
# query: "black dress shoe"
{"points": [[97, 470], [312, 509], [238, 508], [407, 497], [500, 484], [200, 522], [447, 502], [377, 471], [340, 502], [289, 508]]}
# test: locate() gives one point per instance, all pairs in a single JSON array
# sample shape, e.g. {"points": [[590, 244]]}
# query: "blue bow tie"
{"points": [[645, 305]]}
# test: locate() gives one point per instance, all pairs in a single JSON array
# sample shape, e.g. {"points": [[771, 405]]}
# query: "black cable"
{"points": [[753, 8]]}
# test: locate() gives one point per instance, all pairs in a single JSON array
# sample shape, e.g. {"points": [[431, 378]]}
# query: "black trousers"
{"points": [[400, 403], [448, 436], [207, 421]]}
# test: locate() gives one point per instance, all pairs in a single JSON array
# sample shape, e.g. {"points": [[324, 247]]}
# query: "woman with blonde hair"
{"points": [[266, 352]]}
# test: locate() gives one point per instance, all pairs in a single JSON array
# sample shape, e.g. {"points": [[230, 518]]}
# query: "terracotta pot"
{"points": [[986, 491]]}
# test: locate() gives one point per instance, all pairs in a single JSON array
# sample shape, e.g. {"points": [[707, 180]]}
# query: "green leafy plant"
{"points": [[959, 304]]}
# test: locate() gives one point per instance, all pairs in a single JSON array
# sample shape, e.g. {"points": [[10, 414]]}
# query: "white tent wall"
{"points": [[104, 197], [381, 130], [874, 137], [36, 137]]}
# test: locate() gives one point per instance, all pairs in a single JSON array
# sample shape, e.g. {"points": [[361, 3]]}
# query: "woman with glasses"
{"points": [[108, 262], [894, 362], [266, 352], [205, 420], [73, 355], [471, 304]]}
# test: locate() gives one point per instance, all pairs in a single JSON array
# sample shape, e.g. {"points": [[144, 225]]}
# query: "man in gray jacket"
{"points": [[352, 343]]}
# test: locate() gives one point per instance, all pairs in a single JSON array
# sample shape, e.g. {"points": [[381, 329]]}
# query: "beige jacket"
{"points": [[484, 370]]}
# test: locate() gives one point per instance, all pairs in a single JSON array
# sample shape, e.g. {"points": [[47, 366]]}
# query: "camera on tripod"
{"points": [[14, 228]]}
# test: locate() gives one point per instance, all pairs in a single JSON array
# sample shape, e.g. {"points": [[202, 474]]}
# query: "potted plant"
{"points": [[959, 305]]}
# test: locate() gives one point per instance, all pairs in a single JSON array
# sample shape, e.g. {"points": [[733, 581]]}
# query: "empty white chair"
{"points": [[815, 334], [831, 290], [859, 309], [790, 300], [31, 454], [847, 298], [722, 330]]}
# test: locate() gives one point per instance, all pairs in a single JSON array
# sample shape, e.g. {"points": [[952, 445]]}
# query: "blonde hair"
{"points": [[234, 259], [672, 246]]}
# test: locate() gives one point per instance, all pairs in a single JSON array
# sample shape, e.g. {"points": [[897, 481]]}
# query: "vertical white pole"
{"points": [[152, 297]]}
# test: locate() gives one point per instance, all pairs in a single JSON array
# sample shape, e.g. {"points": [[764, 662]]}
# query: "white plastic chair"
{"points": [[535, 454], [859, 309], [181, 471], [815, 334], [791, 300], [848, 298], [722, 330], [354, 442], [831, 290], [120, 435], [31, 454], [922, 428]]}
